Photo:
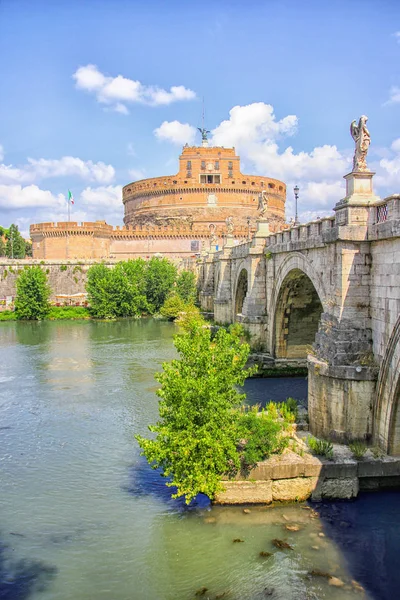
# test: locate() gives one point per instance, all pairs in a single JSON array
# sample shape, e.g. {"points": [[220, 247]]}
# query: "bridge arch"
{"points": [[386, 421], [297, 302]]}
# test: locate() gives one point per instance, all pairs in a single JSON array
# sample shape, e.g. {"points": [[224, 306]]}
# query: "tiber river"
{"points": [[82, 517]]}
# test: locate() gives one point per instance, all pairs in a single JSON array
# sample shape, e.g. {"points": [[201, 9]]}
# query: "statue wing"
{"points": [[354, 130], [201, 131]]}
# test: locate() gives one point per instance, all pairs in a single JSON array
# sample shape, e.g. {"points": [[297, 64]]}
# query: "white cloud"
{"points": [[394, 95], [109, 197], [255, 122], [67, 166], [17, 197], [115, 91], [131, 149], [1, 152], [388, 176], [397, 36], [176, 132]]}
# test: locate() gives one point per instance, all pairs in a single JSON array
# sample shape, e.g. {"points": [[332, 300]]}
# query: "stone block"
{"points": [[245, 492], [343, 489], [290, 490]]}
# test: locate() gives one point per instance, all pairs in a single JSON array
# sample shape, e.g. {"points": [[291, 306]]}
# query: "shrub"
{"points": [[320, 447], [196, 435], [63, 267], [172, 307], [8, 315], [358, 448], [33, 293], [263, 435], [289, 409]]}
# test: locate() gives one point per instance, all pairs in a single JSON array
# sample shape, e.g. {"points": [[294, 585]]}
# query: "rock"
{"points": [[336, 582], [315, 547], [318, 573], [201, 591], [269, 591], [357, 586], [281, 544], [285, 517], [292, 527], [265, 554], [237, 541], [246, 511], [321, 534]]}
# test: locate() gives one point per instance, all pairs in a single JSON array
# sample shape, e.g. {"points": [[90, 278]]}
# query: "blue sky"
{"points": [[98, 93]]}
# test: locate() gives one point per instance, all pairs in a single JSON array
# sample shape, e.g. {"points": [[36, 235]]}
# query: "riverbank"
{"points": [[298, 476], [57, 313]]}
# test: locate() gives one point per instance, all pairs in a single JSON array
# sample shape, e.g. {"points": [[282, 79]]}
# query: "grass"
{"points": [[61, 313], [7, 315], [358, 448], [57, 313]]}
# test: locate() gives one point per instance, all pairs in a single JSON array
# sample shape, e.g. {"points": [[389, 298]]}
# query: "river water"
{"points": [[82, 517]]}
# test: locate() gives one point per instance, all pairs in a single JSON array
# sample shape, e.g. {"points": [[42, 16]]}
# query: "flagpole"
{"points": [[69, 208]]}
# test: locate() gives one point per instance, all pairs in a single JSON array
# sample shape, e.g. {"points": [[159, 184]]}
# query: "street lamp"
{"points": [[296, 195]]}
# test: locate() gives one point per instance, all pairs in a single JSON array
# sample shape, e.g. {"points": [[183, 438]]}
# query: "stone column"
{"points": [[342, 373]]}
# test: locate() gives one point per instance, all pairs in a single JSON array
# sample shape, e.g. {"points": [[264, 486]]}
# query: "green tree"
{"points": [[197, 433], [186, 286], [160, 279], [2, 247], [15, 247], [33, 293], [117, 292], [28, 248]]}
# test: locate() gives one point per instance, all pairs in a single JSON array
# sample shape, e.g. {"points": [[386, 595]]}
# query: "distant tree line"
{"points": [[12, 244], [131, 288]]}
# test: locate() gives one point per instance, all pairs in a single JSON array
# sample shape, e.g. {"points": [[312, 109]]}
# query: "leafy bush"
{"points": [[186, 286], [33, 293], [190, 315], [172, 307], [63, 267], [358, 448], [289, 410], [262, 434], [196, 436], [320, 447]]}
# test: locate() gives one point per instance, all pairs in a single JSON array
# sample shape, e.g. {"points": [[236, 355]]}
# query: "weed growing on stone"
{"points": [[358, 448], [320, 447]]}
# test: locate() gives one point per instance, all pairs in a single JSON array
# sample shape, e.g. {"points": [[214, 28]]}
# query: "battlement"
{"points": [[71, 227]]}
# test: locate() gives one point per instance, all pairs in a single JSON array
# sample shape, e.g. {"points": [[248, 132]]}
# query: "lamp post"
{"points": [[296, 195], [248, 219]]}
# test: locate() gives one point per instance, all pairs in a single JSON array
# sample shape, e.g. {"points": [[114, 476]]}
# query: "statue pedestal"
{"points": [[262, 229], [354, 208], [229, 243]]}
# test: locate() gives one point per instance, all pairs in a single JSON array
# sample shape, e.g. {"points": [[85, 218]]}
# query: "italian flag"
{"points": [[70, 197]]}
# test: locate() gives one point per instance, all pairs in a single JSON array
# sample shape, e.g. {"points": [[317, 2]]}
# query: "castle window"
{"points": [[189, 174], [262, 184], [252, 183], [230, 174], [280, 188], [174, 181], [233, 183], [189, 165], [217, 165], [230, 165], [203, 165], [244, 183], [271, 186], [210, 178]]}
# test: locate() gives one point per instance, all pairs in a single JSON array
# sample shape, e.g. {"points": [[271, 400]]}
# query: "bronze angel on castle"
{"points": [[362, 138]]}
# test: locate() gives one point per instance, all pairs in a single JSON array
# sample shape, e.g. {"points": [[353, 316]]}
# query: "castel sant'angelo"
{"points": [[176, 215]]}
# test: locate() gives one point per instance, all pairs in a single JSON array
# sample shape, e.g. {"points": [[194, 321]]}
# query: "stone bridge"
{"points": [[326, 293]]}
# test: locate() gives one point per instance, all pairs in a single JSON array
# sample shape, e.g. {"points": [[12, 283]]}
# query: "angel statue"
{"points": [[229, 225], [262, 203], [362, 138], [203, 134]]}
